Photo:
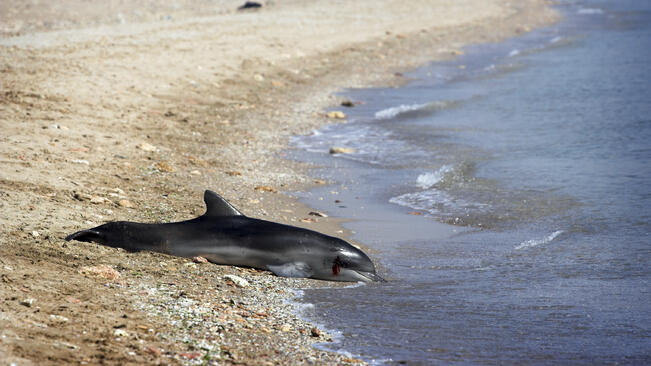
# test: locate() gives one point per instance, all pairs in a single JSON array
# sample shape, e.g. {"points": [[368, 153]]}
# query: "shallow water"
{"points": [[537, 151]]}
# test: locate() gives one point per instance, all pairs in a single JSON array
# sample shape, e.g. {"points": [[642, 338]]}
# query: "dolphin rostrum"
{"points": [[223, 235]]}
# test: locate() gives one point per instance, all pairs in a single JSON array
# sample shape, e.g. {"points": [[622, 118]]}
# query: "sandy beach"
{"points": [[129, 111]]}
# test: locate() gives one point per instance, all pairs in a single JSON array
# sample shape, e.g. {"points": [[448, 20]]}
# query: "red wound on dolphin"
{"points": [[336, 266]]}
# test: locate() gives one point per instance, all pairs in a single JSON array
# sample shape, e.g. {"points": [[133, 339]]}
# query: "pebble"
{"points": [[347, 103], [164, 167], [265, 189], [285, 328], [58, 318], [320, 181], [336, 115], [27, 302], [341, 150], [80, 161], [102, 270], [250, 5], [82, 196], [120, 333], [97, 200], [315, 332], [145, 146], [308, 219], [153, 351], [35, 234], [237, 280], [195, 172], [318, 213], [199, 259], [234, 173], [125, 203]]}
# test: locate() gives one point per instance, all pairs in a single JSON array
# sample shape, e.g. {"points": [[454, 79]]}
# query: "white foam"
{"points": [[555, 39], [394, 111], [514, 53], [589, 11], [429, 179], [535, 242]]}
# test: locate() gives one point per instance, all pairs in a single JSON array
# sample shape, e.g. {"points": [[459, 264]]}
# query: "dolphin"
{"points": [[223, 235]]}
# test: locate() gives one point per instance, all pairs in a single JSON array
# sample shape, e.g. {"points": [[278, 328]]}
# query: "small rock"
{"points": [[80, 161], [195, 172], [58, 318], [196, 161], [416, 213], [265, 189], [118, 191], [103, 270], [97, 200], [320, 181], [347, 103], [318, 213], [234, 173], [250, 5], [82, 196], [125, 203], [336, 115], [35, 234], [315, 332], [145, 146], [199, 259], [27, 302], [258, 77], [190, 355], [237, 280], [285, 328], [120, 333], [153, 351], [308, 219], [164, 167], [341, 150]]}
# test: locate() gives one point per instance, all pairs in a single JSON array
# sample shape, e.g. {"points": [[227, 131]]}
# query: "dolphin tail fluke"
{"points": [[86, 235]]}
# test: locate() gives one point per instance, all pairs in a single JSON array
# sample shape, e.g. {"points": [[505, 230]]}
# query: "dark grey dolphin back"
{"points": [[217, 206]]}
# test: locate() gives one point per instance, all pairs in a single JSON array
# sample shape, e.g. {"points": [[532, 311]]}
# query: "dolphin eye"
{"points": [[336, 266]]}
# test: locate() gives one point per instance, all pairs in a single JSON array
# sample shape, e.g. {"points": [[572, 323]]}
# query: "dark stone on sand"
{"points": [[250, 5], [347, 103]]}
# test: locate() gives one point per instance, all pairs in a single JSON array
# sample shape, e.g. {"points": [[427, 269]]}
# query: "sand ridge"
{"points": [[129, 111]]}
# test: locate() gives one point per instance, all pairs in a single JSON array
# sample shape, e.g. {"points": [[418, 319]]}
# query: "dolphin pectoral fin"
{"points": [[217, 206], [292, 269], [85, 235]]}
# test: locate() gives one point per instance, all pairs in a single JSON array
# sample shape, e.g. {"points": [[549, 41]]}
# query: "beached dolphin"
{"points": [[224, 236]]}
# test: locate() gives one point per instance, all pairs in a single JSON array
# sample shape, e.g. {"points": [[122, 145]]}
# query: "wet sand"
{"points": [[114, 111]]}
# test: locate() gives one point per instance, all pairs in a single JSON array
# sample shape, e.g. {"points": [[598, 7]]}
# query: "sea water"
{"points": [[506, 196]]}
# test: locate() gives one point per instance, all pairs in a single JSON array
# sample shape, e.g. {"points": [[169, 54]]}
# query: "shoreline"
{"points": [[75, 117]]}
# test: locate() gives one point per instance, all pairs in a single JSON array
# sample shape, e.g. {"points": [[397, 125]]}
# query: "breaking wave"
{"points": [[427, 180], [413, 110], [535, 242]]}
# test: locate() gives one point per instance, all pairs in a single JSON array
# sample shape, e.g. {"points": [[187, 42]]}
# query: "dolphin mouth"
{"points": [[370, 276]]}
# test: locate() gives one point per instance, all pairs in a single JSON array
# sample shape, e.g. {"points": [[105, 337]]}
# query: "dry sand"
{"points": [[114, 110]]}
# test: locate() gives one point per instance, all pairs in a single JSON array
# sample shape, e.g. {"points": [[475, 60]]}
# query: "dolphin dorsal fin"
{"points": [[217, 206]]}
